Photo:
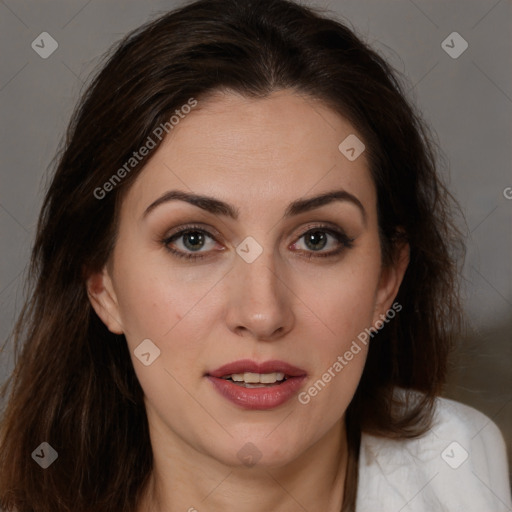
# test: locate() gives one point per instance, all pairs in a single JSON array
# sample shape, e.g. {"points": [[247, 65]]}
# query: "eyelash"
{"points": [[345, 241]]}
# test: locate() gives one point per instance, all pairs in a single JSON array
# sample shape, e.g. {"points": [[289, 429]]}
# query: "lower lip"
{"points": [[258, 398]]}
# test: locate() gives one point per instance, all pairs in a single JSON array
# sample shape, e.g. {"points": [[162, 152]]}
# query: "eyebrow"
{"points": [[217, 207]]}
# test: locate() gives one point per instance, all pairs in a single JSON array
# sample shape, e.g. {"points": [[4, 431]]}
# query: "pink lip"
{"points": [[246, 365], [257, 398]]}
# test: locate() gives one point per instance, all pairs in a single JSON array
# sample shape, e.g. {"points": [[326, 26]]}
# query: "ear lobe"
{"points": [[390, 280], [104, 301]]}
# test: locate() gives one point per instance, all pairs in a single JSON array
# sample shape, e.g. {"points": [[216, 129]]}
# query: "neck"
{"points": [[186, 480]]}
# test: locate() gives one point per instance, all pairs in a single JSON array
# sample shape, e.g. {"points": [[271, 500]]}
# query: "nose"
{"points": [[260, 300]]}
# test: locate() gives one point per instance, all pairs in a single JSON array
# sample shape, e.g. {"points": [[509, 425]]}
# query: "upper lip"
{"points": [[246, 365]]}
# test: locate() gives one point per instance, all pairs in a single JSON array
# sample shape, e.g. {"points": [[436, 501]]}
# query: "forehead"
{"points": [[255, 153]]}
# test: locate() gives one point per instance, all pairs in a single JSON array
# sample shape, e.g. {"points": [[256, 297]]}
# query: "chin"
{"points": [[263, 451]]}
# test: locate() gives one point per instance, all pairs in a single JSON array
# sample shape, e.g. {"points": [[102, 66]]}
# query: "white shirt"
{"points": [[460, 465]]}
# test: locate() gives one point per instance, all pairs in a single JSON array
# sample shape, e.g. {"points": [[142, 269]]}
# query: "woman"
{"points": [[244, 287]]}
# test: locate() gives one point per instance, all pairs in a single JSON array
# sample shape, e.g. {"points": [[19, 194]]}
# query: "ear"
{"points": [[104, 301], [390, 280]]}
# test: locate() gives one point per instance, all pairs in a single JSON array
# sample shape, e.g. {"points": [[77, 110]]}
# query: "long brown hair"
{"points": [[74, 385]]}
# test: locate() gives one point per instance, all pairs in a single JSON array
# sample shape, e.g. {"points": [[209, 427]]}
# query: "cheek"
{"points": [[342, 306], [342, 299], [333, 328], [157, 300], [175, 316]]}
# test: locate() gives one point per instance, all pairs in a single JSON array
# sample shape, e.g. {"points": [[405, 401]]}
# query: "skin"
{"points": [[258, 155]]}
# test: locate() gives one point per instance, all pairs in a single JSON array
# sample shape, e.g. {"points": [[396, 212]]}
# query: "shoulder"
{"points": [[460, 464]]}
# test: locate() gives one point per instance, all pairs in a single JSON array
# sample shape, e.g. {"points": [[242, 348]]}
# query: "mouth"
{"points": [[260, 386], [256, 380]]}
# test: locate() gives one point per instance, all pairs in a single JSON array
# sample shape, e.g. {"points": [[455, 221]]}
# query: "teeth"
{"points": [[269, 378], [256, 378]]}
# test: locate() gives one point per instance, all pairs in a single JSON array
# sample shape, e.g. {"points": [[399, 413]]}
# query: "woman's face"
{"points": [[256, 276]]}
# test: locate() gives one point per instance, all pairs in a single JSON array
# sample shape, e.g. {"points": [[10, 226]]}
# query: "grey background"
{"points": [[467, 101]]}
